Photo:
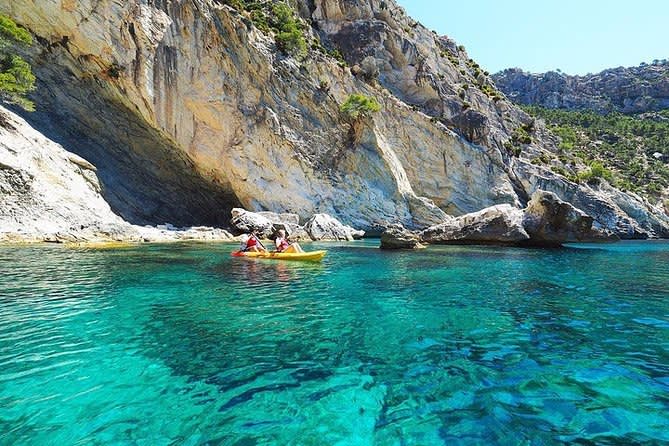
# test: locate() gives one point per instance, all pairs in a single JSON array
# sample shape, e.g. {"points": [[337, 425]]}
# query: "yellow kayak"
{"points": [[100, 245], [313, 256]]}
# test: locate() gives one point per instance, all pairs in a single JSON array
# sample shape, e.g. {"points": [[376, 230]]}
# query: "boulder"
{"points": [[245, 221], [282, 218], [500, 224], [550, 221], [267, 223], [289, 223], [326, 227], [398, 237]]}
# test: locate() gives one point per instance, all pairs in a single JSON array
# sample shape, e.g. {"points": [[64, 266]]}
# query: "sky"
{"points": [[575, 36]]}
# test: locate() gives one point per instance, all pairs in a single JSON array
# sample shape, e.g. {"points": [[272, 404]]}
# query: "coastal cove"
{"points": [[182, 344]]}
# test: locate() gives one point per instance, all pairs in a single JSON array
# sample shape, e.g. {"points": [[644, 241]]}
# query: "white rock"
{"points": [[326, 227]]}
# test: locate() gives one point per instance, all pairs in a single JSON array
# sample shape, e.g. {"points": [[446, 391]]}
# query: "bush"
{"points": [[10, 31], [521, 135], [289, 36], [291, 42], [595, 173], [16, 77], [358, 106], [260, 20]]}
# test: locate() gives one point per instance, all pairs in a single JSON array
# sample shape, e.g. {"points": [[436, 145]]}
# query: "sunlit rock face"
{"points": [[187, 110], [625, 89]]}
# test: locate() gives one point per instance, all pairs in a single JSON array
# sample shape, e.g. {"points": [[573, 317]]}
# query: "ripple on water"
{"points": [[183, 344]]}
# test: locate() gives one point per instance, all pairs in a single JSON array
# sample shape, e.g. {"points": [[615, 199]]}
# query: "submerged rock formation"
{"points": [[187, 109]]}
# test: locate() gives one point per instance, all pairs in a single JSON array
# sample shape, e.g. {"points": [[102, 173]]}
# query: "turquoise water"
{"points": [[184, 345]]}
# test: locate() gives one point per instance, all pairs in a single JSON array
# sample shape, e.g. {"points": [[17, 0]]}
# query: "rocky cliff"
{"points": [[628, 90], [47, 193], [188, 108]]}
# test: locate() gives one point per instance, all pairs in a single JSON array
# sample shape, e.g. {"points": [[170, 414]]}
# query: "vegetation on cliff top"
{"points": [[279, 18], [629, 151], [16, 77]]}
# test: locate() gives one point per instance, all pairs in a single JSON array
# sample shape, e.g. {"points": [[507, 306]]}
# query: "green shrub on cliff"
{"points": [[289, 37], [358, 106], [16, 77], [595, 173]]}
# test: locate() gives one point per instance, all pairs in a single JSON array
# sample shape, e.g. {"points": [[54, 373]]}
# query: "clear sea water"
{"points": [[184, 345]]}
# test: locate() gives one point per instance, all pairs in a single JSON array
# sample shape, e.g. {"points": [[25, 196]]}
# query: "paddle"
{"points": [[258, 240]]}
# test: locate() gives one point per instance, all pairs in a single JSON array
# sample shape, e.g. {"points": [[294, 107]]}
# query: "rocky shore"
{"points": [[547, 221], [51, 195]]}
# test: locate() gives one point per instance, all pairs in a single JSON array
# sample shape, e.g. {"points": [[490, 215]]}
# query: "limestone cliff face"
{"points": [[187, 110], [44, 188]]}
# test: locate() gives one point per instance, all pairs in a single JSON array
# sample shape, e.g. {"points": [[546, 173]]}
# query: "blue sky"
{"points": [[576, 36]]}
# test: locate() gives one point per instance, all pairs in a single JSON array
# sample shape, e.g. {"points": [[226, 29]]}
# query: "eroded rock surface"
{"points": [[551, 221], [546, 221], [48, 193], [398, 237], [501, 224], [326, 227]]}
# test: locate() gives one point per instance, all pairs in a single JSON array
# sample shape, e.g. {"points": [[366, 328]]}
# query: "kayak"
{"points": [[313, 256]]}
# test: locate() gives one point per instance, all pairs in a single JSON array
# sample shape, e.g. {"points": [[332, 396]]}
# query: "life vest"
{"points": [[282, 244], [251, 242]]}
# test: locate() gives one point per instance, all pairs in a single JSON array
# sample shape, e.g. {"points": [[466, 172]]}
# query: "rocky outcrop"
{"points": [[50, 194], [546, 221], [624, 214], [318, 227], [47, 192], [398, 237], [501, 224], [551, 221], [326, 227], [627, 90], [244, 221]]}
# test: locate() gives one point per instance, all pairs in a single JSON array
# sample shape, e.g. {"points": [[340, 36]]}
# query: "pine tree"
{"points": [[16, 77]]}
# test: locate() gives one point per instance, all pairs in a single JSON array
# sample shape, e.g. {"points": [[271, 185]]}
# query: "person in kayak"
{"points": [[283, 245], [251, 243]]}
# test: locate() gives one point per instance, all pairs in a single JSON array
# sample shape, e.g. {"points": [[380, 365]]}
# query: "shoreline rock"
{"points": [[398, 237], [550, 221], [500, 224], [547, 221], [318, 227], [124, 233], [326, 227]]}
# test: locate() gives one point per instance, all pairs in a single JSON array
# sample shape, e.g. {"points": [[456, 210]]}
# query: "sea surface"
{"points": [[185, 345]]}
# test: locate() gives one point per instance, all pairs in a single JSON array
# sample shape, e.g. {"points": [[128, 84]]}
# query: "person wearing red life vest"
{"points": [[251, 243], [282, 244]]}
